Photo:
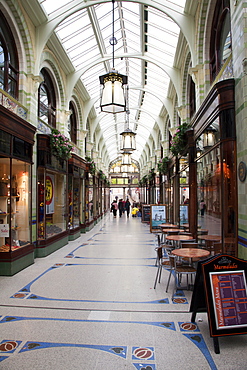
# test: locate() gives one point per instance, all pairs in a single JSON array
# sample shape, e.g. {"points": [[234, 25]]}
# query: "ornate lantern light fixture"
{"points": [[126, 158], [128, 136], [113, 99]]}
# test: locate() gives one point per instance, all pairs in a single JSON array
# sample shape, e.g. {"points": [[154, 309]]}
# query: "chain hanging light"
{"points": [[113, 98], [128, 136]]}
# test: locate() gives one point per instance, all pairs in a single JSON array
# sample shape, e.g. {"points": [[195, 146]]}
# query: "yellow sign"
{"points": [[48, 190]]}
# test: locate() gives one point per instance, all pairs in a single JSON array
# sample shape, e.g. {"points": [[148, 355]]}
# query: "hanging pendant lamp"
{"points": [[113, 97]]}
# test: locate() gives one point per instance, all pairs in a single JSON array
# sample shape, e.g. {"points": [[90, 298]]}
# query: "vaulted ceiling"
{"points": [[147, 38]]}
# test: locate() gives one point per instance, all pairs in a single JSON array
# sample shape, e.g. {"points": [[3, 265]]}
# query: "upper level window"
{"points": [[9, 65], [47, 100], [220, 43], [73, 123]]}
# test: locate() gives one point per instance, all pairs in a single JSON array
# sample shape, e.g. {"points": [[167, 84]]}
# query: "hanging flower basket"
{"points": [[60, 145], [179, 140], [163, 165], [92, 165]]}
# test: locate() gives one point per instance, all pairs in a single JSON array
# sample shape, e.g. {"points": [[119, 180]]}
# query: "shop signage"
{"points": [[221, 290], [146, 213]]}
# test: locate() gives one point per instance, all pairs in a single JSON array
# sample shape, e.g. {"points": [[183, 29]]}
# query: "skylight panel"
{"points": [[51, 6]]}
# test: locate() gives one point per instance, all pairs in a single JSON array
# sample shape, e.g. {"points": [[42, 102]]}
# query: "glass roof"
{"points": [[146, 39]]}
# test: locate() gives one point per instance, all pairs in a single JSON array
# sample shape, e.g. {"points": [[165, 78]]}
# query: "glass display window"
{"points": [[82, 196], [89, 198], [15, 204], [209, 192], [74, 202], [51, 203]]}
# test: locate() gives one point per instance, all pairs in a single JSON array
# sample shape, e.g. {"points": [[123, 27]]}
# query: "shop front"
{"points": [[16, 146], [52, 199], [76, 197], [215, 159]]}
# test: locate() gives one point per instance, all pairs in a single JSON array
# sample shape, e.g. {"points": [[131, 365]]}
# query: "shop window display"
{"points": [[51, 204], [74, 202], [14, 204]]}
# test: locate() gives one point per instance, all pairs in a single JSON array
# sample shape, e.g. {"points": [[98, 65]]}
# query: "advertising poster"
{"points": [[184, 217], [49, 194], [158, 215]]}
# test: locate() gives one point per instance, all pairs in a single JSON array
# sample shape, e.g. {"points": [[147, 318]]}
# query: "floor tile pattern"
{"points": [[91, 305]]}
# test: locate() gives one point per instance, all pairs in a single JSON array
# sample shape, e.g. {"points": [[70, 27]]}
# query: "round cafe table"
{"points": [[212, 238], [178, 238], [167, 231], [191, 252], [168, 226]]}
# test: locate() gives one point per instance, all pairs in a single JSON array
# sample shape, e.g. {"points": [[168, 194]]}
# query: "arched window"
{"points": [[73, 123], [9, 65], [220, 42], [47, 100]]}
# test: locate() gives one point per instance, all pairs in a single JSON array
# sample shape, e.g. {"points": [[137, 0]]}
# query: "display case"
{"points": [[14, 204]]}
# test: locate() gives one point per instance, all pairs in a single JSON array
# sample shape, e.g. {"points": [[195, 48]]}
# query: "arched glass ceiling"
{"points": [[147, 41]]}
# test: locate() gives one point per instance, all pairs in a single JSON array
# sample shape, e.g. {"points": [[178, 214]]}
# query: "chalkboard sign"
{"points": [[221, 290], [158, 216], [146, 213]]}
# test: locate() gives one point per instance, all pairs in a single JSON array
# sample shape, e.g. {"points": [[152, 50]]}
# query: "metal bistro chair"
{"points": [[179, 271], [163, 262]]}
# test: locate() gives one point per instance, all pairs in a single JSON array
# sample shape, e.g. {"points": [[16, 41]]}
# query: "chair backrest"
{"points": [[159, 253], [175, 232], [185, 233], [188, 241], [189, 244], [203, 232], [172, 260], [217, 248]]}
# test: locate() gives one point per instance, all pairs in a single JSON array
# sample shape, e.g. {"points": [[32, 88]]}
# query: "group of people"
{"points": [[121, 206]]}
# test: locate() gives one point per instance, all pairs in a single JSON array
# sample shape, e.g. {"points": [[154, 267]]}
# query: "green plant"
{"points": [[179, 140], [151, 174], [92, 165], [60, 145], [102, 176], [143, 181], [163, 165]]}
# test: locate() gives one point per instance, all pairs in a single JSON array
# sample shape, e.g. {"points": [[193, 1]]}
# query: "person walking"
{"points": [[202, 207], [127, 207], [120, 207], [114, 208]]}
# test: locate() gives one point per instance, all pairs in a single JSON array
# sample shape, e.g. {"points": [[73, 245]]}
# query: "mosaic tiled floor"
{"points": [[91, 305]]}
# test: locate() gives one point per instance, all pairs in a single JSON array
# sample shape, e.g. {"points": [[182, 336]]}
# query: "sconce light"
{"points": [[113, 98]]}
